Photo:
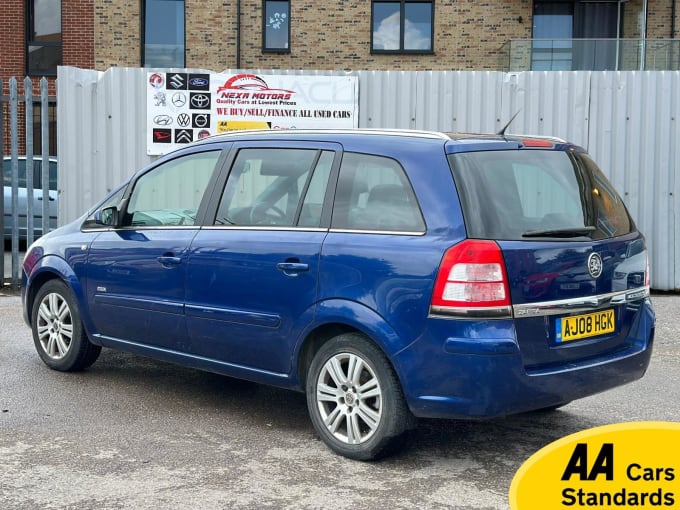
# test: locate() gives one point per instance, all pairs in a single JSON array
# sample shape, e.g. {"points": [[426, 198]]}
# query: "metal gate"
{"points": [[29, 194]]}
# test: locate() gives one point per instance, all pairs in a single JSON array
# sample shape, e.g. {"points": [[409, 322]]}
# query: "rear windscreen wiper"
{"points": [[560, 232]]}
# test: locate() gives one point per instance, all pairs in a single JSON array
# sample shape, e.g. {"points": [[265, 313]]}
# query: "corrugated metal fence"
{"points": [[628, 121], [25, 176]]}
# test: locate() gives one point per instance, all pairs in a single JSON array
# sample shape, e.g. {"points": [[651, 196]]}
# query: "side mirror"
{"points": [[107, 216]]}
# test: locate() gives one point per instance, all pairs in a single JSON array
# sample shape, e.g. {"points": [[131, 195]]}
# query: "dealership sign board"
{"points": [[185, 107]]}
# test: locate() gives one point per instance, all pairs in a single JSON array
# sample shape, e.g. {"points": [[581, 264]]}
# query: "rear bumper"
{"points": [[478, 371]]}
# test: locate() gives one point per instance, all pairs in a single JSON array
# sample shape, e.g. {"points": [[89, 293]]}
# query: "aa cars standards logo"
{"points": [[628, 465]]}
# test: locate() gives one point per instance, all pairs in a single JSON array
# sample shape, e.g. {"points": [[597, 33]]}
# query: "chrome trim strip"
{"points": [[545, 308], [382, 232], [257, 227], [581, 304]]}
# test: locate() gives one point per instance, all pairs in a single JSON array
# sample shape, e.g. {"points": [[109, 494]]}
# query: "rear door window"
{"points": [[517, 195], [374, 194], [275, 187]]}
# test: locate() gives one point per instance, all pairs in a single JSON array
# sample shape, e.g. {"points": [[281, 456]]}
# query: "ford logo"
{"points": [[198, 82]]}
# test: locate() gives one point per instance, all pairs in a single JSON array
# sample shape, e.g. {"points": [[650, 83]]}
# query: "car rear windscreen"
{"points": [[525, 194]]}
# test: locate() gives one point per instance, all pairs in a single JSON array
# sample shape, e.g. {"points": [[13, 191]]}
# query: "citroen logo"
{"points": [[595, 265]]}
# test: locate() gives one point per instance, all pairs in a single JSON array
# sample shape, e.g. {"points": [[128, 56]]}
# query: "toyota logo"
{"points": [[200, 100], [595, 265]]}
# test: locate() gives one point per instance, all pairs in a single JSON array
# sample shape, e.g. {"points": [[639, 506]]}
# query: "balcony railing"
{"points": [[590, 55]]}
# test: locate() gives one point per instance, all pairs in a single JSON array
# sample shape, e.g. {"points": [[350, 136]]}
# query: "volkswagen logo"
{"points": [[595, 265], [183, 119], [200, 100], [179, 100], [162, 120]]}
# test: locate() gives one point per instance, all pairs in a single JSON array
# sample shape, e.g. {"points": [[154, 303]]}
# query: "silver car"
{"points": [[18, 217]]}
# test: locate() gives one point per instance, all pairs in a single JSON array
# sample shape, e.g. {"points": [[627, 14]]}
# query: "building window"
{"points": [[43, 40], [404, 26], [163, 33], [276, 26]]}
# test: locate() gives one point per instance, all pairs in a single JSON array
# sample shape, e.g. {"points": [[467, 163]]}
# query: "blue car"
{"points": [[389, 275]]}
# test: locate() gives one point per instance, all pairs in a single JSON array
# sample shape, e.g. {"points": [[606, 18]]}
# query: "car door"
{"points": [[136, 273], [252, 275]]}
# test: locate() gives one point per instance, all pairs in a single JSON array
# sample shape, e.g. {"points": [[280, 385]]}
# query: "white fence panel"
{"points": [[628, 121]]}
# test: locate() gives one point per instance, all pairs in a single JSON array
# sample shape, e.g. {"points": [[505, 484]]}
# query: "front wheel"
{"points": [[58, 333], [354, 398]]}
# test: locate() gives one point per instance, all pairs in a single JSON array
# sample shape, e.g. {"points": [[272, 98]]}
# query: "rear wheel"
{"points": [[355, 400], [58, 332]]}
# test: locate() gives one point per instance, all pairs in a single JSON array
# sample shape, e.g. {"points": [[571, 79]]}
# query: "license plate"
{"points": [[584, 326]]}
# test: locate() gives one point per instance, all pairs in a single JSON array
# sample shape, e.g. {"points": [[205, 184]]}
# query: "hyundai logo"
{"points": [[198, 82], [200, 100], [162, 120], [595, 265]]}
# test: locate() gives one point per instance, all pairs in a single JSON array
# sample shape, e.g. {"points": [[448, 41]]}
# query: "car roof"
{"points": [[456, 142]]}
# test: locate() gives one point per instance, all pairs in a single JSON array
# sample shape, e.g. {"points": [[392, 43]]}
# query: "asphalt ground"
{"points": [[140, 434]]}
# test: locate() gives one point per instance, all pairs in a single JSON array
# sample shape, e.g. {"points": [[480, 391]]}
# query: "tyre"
{"points": [[354, 398], [58, 332]]}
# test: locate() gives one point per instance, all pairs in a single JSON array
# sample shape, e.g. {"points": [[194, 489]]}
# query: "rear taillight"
{"points": [[471, 275], [648, 277]]}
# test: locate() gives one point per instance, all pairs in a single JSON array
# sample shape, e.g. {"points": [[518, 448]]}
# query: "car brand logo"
{"points": [[203, 133], [159, 98], [201, 120], [177, 81], [595, 265], [184, 135], [183, 120], [179, 99], [162, 135], [200, 101], [199, 81], [156, 80], [162, 120]]}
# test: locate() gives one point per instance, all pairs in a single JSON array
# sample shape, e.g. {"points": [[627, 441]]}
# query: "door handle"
{"points": [[169, 260], [292, 268]]}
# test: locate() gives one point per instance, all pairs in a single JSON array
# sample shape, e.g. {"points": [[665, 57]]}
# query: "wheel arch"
{"points": [[52, 267], [336, 317]]}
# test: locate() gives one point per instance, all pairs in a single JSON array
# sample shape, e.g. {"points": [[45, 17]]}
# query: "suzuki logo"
{"points": [[176, 81]]}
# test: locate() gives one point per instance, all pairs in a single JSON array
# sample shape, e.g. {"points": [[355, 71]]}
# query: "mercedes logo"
{"points": [[200, 100], [179, 99], [595, 265]]}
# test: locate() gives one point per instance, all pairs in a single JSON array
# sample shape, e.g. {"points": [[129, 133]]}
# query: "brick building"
{"points": [[38, 35]]}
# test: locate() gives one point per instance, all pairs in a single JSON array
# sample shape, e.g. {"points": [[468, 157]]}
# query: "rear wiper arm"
{"points": [[560, 232]]}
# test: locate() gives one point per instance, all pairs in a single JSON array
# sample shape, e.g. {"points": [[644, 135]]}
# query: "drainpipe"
{"points": [[643, 47], [238, 34]]}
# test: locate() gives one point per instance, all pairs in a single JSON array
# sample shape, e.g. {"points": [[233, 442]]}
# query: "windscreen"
{"points": [[525, 194]]}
